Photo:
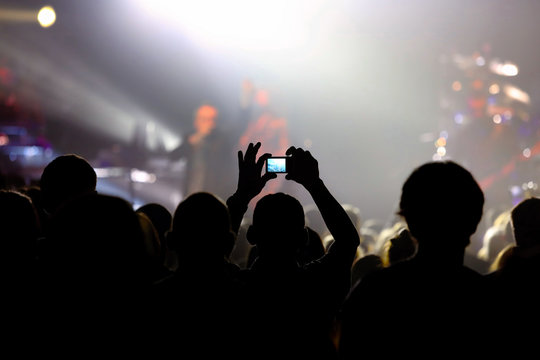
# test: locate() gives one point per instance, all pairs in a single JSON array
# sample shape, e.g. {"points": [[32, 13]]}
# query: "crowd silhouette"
{"points": [[103, 272]]}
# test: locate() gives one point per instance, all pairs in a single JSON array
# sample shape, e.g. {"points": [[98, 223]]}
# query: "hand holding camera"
{"points": [[299, 165], [304, 168]]}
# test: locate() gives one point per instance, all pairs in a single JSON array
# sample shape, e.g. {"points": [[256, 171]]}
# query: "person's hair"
{"points": [[64, 178], [441, 199], [160, 217], [279, 216], [526, 222], [201, 222], [279, 208]]}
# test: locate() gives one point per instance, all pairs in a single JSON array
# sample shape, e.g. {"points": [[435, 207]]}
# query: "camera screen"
{"points": [[277, 165]]}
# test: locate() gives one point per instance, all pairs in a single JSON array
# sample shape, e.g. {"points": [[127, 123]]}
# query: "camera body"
{"points": [[278, 164]]}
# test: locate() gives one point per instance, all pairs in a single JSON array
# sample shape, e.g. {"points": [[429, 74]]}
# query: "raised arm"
{"points": [[305, 171], [251, 181]]}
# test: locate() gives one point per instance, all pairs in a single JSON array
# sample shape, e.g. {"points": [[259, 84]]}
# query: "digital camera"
{"points": [[277, 164]]}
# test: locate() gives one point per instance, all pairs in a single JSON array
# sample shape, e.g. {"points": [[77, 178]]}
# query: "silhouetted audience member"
{"points": [[96, 272], [291, 307], [496, 238], [199, 300], [66, 177], [160, 217], [400, 247], [20, 230], [158, 270], [515, 283], [21, 295], [365, 265], [34, 193], [500, 259], [426, 305], [385, 235]]}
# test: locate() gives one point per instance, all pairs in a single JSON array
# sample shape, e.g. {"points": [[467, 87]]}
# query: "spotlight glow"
{"points": [[440, 142], [504, 69], [46, 16], [141, 176], [517, 94], [441, 151], [238, 23], [494, 89]]}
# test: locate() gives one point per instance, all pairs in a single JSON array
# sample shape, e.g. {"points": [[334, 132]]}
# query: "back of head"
{"points": [[441, 201], [526, 222], [151, 237], [159, 215], [278, 225], [66, 177], [201, 225]]}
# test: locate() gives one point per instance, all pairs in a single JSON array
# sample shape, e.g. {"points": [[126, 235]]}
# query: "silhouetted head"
{"points": [[160, 217], [526, 222], [278, 227], [151, 237], [442, 204], [400, 247], [201, 227], [66, 177]]}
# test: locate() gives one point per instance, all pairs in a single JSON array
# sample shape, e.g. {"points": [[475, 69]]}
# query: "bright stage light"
{"points": [[141, 176], [245, 24], [441, 151], [494, 89], [504, 69], [517, 94], [46, 16]]}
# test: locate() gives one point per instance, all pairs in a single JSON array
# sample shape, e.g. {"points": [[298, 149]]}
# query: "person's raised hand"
{"points": [[304, 168], [251, 180]]}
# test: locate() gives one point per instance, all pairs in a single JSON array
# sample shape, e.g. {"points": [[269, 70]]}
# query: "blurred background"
{"points": [[371, 88]]}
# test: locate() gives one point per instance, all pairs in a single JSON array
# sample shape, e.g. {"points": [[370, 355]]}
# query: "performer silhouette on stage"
{"points": [[209, 156]]}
